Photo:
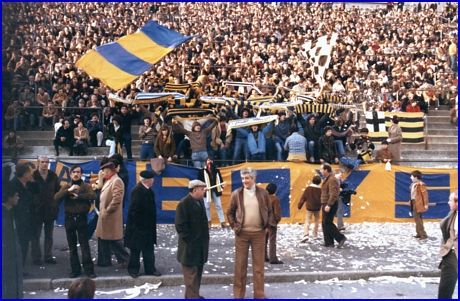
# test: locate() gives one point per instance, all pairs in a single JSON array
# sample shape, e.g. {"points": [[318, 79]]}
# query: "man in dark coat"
{"points": [[64, 138], [192, 226], [449, 250], [25, 209], [11, 251], [141, 226], [46, 185], [312, 132], [329, 196]]}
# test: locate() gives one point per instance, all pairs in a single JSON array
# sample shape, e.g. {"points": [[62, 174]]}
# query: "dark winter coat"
{"points": [[312, 133], [141, 225], [24, 211], [192, 226], [327, 149], [11, 258], [214, 178], [46, 208]]}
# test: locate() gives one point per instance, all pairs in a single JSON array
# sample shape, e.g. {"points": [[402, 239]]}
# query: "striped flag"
{"points": [[118, 63], [412, 125]]}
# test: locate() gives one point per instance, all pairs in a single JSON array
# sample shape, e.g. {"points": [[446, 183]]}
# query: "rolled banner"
{"points": [[388, 166]]}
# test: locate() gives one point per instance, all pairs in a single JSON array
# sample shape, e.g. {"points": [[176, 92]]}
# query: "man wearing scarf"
{"points": [[212, 177]]}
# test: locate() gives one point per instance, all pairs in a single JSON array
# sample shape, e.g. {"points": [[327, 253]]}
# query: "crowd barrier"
{"points": [[382, 196]]}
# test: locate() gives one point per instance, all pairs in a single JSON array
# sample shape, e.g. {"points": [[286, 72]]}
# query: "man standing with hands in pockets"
{"points": [[250, 216], [141, 226], [192, 226]]}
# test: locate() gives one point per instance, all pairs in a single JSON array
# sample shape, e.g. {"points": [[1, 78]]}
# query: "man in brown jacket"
{"points": [[270, 238], [384, 154], [77, 196], [250, 216], [49, 115], [197, 138], [329, 195], [418, 203]]}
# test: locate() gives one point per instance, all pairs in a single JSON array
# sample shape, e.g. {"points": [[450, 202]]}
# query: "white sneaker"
{"points": [[304, 239]]}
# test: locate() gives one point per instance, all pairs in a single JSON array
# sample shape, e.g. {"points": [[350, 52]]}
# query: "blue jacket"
{"points": [[254, 147]]}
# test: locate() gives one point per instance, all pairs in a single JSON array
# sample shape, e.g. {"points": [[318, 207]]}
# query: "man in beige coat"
{"points": [[109, 229]]}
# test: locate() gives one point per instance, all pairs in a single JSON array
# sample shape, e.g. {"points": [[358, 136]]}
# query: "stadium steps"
{"points": [[440, 145]]}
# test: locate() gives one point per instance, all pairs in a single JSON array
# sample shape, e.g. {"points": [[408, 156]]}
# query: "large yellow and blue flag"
{"points": [[118, 63]]}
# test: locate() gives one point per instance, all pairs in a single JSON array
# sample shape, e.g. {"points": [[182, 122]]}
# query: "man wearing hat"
{"points": [[192, 226], [77, 196], [109, 229], [141, 226], [25, 209]]}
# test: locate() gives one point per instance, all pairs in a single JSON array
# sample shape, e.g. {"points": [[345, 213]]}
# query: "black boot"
{"points": [[75, 273]]}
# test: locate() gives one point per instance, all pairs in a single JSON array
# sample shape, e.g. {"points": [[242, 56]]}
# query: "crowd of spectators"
{"points": [[391, 58]]}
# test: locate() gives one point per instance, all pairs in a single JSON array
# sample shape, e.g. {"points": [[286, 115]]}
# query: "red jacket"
{"points": [[411, 109]]}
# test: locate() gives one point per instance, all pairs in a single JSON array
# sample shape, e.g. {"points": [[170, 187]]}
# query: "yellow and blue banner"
{"points": [[382, 196], [118, 63]]}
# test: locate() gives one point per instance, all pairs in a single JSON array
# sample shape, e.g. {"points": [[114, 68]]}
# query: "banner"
{"points": [[382, 196], [118, 63], [412, 125], [239, 123]]}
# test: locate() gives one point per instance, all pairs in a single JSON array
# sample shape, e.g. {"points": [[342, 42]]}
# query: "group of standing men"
{"points": [[250, 215], [40, 194]]}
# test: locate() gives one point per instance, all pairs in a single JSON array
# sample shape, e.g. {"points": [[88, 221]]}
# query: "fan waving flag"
{"points": [[118, 63]]}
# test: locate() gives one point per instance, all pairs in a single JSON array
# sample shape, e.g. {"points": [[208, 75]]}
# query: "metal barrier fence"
{"points": [[188, 162]]}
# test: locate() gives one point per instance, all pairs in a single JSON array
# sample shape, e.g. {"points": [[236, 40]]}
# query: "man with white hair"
{"points": [[46, 184], [141, 226], [250, 216]]}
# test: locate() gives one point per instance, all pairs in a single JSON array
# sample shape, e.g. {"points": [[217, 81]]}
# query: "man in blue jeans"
{"points": [[281, 134], [147, 135], [197, 138]]}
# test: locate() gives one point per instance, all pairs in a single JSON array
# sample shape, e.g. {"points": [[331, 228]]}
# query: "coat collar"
{"points": [[109, 182]]}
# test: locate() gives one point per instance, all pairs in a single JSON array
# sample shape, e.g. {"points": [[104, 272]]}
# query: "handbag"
{"points": [[158, 165], [78, 143]]}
